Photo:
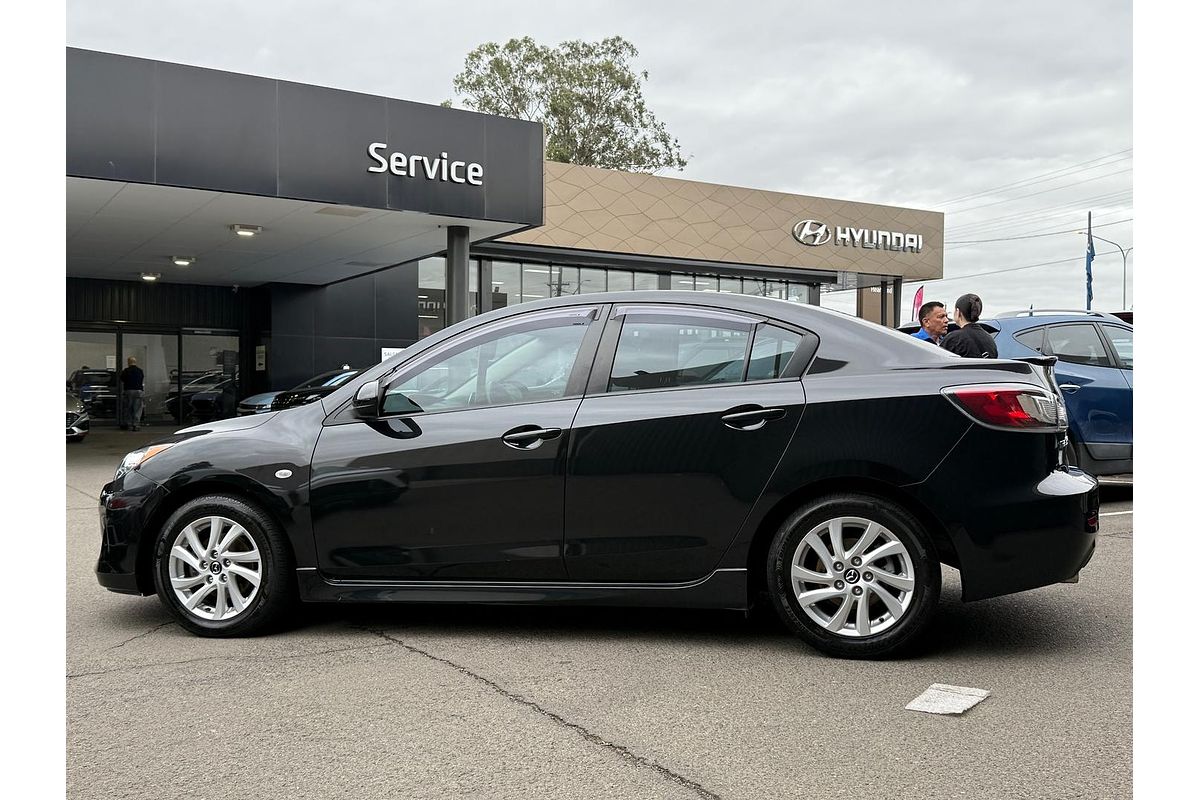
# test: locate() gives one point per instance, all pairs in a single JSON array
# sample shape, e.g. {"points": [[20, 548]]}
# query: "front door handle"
{"points": [[528, 437], [752, 419], [1069, 388]]}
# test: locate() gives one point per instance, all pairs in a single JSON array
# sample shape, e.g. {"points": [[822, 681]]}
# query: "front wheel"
{"points": [[223, 567], [855, 576]]}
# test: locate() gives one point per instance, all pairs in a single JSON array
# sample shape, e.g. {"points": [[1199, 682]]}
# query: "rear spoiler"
{"points": [[1046, 363]]}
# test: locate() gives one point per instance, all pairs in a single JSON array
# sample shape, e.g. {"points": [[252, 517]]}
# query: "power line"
{"points": [[1035, 178], [1035, 235], [996, 271], [1046, 191], [1039, 213]]}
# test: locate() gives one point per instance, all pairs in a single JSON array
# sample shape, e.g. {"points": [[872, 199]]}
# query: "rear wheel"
{"points": [[854, 575], [223, 567]]}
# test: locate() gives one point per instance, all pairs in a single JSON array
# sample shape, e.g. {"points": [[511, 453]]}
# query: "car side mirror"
{"points": [[367, 400]]}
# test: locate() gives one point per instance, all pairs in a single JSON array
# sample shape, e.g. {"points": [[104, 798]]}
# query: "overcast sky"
{"points": [[1015, 118]]}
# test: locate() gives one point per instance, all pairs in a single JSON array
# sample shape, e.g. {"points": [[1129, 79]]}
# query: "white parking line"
{"points": [[1114, 513]]}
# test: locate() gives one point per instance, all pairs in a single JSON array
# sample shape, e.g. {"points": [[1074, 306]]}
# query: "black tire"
{"points": [[276, 591], [894, 636]]}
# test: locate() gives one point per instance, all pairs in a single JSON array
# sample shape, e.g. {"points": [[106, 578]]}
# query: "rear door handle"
{"points": [[752, 419], [1069, 388], [529, 438]]}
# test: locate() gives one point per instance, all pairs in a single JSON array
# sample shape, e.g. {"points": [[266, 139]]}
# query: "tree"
{"points": [[587, 95]]}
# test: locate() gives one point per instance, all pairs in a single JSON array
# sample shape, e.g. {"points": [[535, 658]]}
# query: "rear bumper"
{"points": [[1023, 536]]}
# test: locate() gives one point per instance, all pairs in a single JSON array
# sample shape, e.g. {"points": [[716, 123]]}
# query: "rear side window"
{"points": [[1122, 341], [1077, 344], [773, 349], [659, 353], [1032, 339]]}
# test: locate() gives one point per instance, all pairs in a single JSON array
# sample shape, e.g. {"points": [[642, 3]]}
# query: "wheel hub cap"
{"points": [[843, 602], [235, 561]]}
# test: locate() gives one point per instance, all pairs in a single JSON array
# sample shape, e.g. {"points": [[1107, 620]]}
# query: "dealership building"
{"points": [[254, 232]]}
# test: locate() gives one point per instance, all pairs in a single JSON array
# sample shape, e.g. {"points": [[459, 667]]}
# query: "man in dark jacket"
{"points": [[970, 340], [133, 385]]}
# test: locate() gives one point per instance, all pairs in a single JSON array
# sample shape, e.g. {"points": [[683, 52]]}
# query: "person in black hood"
{"points": [[970, 340]]}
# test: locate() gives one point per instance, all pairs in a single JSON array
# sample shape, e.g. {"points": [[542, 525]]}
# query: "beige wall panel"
{"points": [[589, 208]]}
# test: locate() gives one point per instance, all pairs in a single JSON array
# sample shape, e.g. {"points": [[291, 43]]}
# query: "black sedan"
{"points": [[307, 392], [634, 449]]}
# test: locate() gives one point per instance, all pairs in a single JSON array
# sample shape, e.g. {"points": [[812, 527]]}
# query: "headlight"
{"points": [[139, 457]]}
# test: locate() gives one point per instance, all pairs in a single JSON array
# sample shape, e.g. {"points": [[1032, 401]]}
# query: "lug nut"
{"points": [[203, 565], [224, 577], [215, 553], [227, 562], [838, 566], [868, 576], [856, 561], [208, 579], [839, 585], [857, 589]]}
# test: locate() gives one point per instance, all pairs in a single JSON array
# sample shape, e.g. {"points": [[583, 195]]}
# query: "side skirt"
{"points": [[722, 589]]}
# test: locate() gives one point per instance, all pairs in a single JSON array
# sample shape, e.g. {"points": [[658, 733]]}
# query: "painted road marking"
{"points": [[1114, 513]]}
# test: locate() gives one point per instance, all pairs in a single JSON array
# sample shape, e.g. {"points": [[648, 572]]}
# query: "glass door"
{"points": [[209, 377], [92, 373], [157, 355]]}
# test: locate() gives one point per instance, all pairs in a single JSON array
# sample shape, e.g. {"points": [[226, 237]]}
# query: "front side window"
{"points": [[1077, 344], [663, 351], [1122, 341], [517, 362]]}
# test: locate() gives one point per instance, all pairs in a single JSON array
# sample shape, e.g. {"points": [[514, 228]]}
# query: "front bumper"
{"points": [[78, 425], [125, 506]]}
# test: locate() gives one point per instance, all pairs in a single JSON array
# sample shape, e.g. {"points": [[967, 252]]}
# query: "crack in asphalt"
{"points": [[95, 497], [143, 634], [620, 750], [135, 667]]}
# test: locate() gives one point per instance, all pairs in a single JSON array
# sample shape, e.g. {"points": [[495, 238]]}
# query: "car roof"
{"points": [[1038, 318]]}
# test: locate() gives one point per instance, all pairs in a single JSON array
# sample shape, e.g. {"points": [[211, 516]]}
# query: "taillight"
{"points": [[1009, 406]]}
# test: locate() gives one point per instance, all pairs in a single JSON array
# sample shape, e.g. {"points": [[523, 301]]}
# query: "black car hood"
{"points": [[228, 425]]}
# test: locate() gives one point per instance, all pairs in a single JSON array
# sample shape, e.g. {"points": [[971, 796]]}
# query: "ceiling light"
{"points": [[246, 230], [182, 261], [150, 276]]}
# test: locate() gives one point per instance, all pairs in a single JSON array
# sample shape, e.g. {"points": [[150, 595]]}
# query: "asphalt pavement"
{"points": [[461, 701]]}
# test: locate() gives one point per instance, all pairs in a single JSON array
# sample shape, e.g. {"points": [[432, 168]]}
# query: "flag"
{"points": [[918, 300], [1091, 255]]}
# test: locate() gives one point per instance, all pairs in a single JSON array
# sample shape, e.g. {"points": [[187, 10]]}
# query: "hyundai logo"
{"points": [[810, 232]]}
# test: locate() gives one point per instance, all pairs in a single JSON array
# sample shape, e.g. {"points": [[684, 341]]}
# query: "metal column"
{"points": [[458, 283], [897, 285]]}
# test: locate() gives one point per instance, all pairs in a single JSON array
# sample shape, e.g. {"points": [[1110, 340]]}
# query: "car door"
{"points": [[1120, 341], [687, 413], [1098, 399], [463, 476]]}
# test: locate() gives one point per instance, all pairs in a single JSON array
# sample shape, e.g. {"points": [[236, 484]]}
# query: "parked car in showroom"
{"points": [[1094, 372], [303, 394], [261, 403], [574, 451], [178, 399], [97, 389], [216, 402], [78, 423]]}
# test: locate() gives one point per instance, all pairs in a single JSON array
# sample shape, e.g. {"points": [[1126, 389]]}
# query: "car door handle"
{"points": [[1069, 388], [529, 438], [752, 419]]}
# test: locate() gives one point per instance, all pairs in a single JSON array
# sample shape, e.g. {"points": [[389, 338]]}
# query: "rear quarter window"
{"points": [[1032, 339]]}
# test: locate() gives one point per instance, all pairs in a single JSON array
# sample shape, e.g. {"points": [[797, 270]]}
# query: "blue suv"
{"points": [[1094, 372]]}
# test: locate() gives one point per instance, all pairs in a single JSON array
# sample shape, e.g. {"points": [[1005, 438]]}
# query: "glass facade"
{"points": [[516, 282]]}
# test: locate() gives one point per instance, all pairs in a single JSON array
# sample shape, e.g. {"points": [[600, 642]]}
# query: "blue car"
{"points": [[1094, 372]]}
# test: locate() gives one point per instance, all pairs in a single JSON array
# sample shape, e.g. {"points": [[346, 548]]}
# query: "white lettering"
{"points": [[910, 242], [440, 168], [399, 164], [843, 235], [380, 159]]}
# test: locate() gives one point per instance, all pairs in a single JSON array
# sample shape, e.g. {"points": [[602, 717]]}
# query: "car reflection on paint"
{"points": [[306, 393], [632, 449]]}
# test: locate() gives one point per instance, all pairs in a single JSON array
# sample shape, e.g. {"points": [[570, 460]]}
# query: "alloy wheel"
{"points": [[853, 577], [215, 568]]}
